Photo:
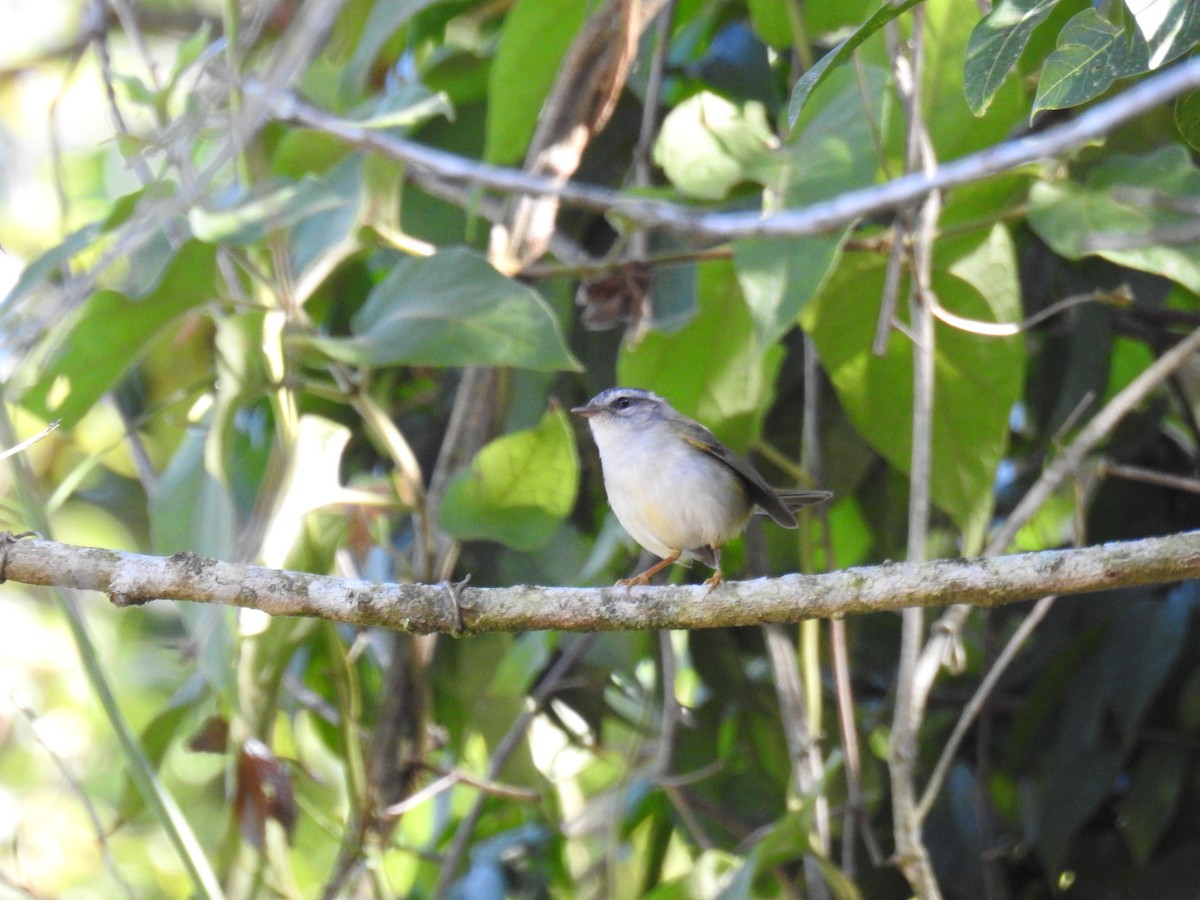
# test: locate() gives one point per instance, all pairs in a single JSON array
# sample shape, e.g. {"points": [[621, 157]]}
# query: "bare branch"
{"points": [[130, 578], [819, 218]]}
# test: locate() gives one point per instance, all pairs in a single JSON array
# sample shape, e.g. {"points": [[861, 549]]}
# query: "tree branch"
{"points": [[130, 579], [819, 218]]}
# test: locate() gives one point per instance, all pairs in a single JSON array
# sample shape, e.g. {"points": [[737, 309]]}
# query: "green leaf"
{"points": [[976, 380], [1147, 805], [954, 128], [1124, 195], [711, 368], [995, 46], [89, 354], [451, 309], [190, 508], [535, 38], [708, 144], [841, 53], [1169, 27], [254, 218], [1090, 55], [383, 21], [519, 487], [833, 153], [1187, 118], [156, 738], [410, 105], [1071, 791], [46, 264]]}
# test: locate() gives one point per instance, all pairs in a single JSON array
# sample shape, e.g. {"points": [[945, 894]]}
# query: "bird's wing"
{"points": [[756, 488]]}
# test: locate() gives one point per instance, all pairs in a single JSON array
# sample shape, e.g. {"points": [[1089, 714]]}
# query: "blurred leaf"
{"points": [[995, 46], [85, 357], [1148, 804], [45, 265], [189, 51], [841, 53], [1187, 118], [274, 209], [710, 369], [409, 106], [451, 309], [1127, 196], [519, 487], [832, 153], [1143, 648], [310, 483], [535, 38], [707, 145], [383, 21], [156, 739], [1091, 54], [190, 508], [263, 791], [1070, 792]]}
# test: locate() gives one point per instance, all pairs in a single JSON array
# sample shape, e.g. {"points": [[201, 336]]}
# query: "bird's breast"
{"points": [[668, 495]]}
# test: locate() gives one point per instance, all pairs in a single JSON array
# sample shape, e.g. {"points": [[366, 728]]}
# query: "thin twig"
{"points": [[978, 699], [912, 856], [1148, 476]]}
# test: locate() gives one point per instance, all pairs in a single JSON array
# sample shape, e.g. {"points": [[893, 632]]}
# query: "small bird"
{"points": [[674, 487]]}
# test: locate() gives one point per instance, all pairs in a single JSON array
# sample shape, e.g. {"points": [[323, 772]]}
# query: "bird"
{"points": [[677, 490]]}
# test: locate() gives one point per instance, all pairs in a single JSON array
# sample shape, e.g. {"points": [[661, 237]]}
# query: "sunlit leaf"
{"points": [[535, 38], [518, 488], [1091, 54], [92, 351], [995, 46], [708, 144]]}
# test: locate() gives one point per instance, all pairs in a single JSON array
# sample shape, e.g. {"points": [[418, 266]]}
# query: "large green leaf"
{"points": [[833, 153], [518, 488], [451, 309], [976, 381], [1123, 196], [536, 35], [91, 352], [711, 369], [1091, 54], [995, 46], [708, 145]]}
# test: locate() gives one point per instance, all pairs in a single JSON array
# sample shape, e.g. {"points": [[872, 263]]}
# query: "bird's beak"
{"points": [[586, 411]]}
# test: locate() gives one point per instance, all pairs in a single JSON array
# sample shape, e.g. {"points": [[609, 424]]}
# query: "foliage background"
{"points": [[286, 348]]}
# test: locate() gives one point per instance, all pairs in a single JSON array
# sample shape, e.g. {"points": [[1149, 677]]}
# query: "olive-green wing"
{"points": [[757, 489]]}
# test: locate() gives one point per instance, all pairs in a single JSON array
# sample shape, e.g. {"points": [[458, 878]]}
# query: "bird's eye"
{"points": [[622, 403]]}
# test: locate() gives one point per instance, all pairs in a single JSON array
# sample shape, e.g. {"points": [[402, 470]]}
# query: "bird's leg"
{"points": [[717, 576], [644, 577]]}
